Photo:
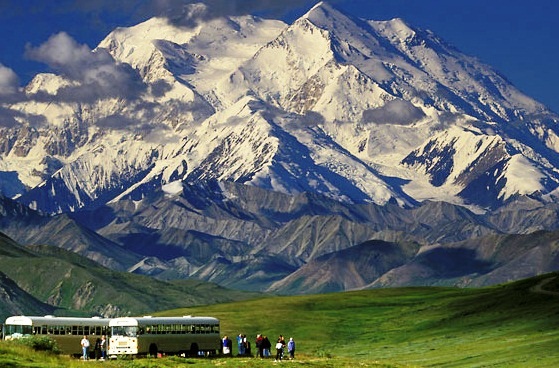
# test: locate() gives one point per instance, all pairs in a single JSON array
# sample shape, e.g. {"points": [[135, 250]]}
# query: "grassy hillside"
{"points": [[77, 285], [513, 325], [510, 325]]}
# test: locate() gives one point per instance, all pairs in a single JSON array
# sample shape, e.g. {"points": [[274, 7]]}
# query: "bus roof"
{"points": [[56, 321], [140, 321]]}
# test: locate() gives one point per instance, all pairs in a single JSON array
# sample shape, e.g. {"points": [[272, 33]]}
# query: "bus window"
{"points": [[130, 331]]}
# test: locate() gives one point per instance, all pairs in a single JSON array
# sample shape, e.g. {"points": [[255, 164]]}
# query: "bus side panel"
{"points": [[68, 344], [168, 344], [179, 343]]}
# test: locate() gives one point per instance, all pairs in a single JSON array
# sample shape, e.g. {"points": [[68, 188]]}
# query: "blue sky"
{"points": [[518, 38]]}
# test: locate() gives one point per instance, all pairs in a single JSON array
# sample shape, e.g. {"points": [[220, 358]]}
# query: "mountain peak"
{"points": [[363, 110], [320, 4], [323, 14]]}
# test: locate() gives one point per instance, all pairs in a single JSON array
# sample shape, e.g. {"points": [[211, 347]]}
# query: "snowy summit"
{"points": [[358, 110]]}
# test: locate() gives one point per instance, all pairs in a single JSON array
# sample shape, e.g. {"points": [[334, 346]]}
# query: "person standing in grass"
{"points": [[85, 347], [259, 346], [291, 348], [266, 346], [246, 346], [226, 345], [240, 344], [279, 350], [103, 347], [282, 340], [97, 349]]}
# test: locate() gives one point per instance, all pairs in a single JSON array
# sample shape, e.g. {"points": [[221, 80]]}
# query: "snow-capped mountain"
{"points": [[358, 110]]}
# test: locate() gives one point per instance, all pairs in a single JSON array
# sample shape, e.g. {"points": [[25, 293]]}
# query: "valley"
{"points": [[509, 325]]}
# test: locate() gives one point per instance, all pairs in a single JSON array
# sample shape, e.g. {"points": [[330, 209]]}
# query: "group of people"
{"points": [[100, 348], [263, 345], [280, 348]]}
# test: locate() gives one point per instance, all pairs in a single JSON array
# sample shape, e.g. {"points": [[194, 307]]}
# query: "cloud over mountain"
{"points": [[95, 74], [9, 81], [394, 112]]}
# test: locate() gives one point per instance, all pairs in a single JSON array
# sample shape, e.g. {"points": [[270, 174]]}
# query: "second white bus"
{"points": [[185, 335]]}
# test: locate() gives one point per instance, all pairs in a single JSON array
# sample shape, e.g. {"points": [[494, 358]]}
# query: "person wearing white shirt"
{"points": [[85, 347]]}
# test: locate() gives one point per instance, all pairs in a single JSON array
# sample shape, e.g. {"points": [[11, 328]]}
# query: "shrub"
{"points": [[40, 343]]}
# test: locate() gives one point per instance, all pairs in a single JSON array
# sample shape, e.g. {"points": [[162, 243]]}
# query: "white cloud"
{"points": [[397, 111], [97, 73], [9, 82]]}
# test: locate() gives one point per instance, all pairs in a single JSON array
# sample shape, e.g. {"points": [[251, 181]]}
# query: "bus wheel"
{"points": [[194, 350], [153, 350]]}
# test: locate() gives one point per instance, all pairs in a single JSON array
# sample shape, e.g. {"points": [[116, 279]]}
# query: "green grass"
{"points": [[502, 326]]}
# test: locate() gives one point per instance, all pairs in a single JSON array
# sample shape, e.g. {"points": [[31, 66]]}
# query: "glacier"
{"points": [[359, 110]]}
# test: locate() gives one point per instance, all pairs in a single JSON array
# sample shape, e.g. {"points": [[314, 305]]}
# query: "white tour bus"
{"points": [[166, 335], [66, 331]]}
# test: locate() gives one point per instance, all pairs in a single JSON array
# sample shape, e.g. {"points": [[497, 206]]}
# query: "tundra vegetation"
{"points": [[509, 325]]}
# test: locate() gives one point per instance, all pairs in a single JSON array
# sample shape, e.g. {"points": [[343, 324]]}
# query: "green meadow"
{"points": [[511, 325]]}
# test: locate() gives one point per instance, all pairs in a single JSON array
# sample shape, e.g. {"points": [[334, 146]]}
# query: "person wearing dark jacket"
{"points": [[230, 346], [259, 341], [97, 349], [279, 351], [266, 346]]}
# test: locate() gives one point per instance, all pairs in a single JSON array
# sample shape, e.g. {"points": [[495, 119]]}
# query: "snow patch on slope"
{"points": [[522, 177], [173, 188]]}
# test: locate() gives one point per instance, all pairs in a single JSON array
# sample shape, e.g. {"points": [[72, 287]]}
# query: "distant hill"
{"points": [[248, 238], [45, 279], [351, 268], [486, 260], [16, 301], [13, 299]]}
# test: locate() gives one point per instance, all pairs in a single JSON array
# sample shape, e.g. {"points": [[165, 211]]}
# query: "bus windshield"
{"points": [[18, 330], [130, 331]]}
